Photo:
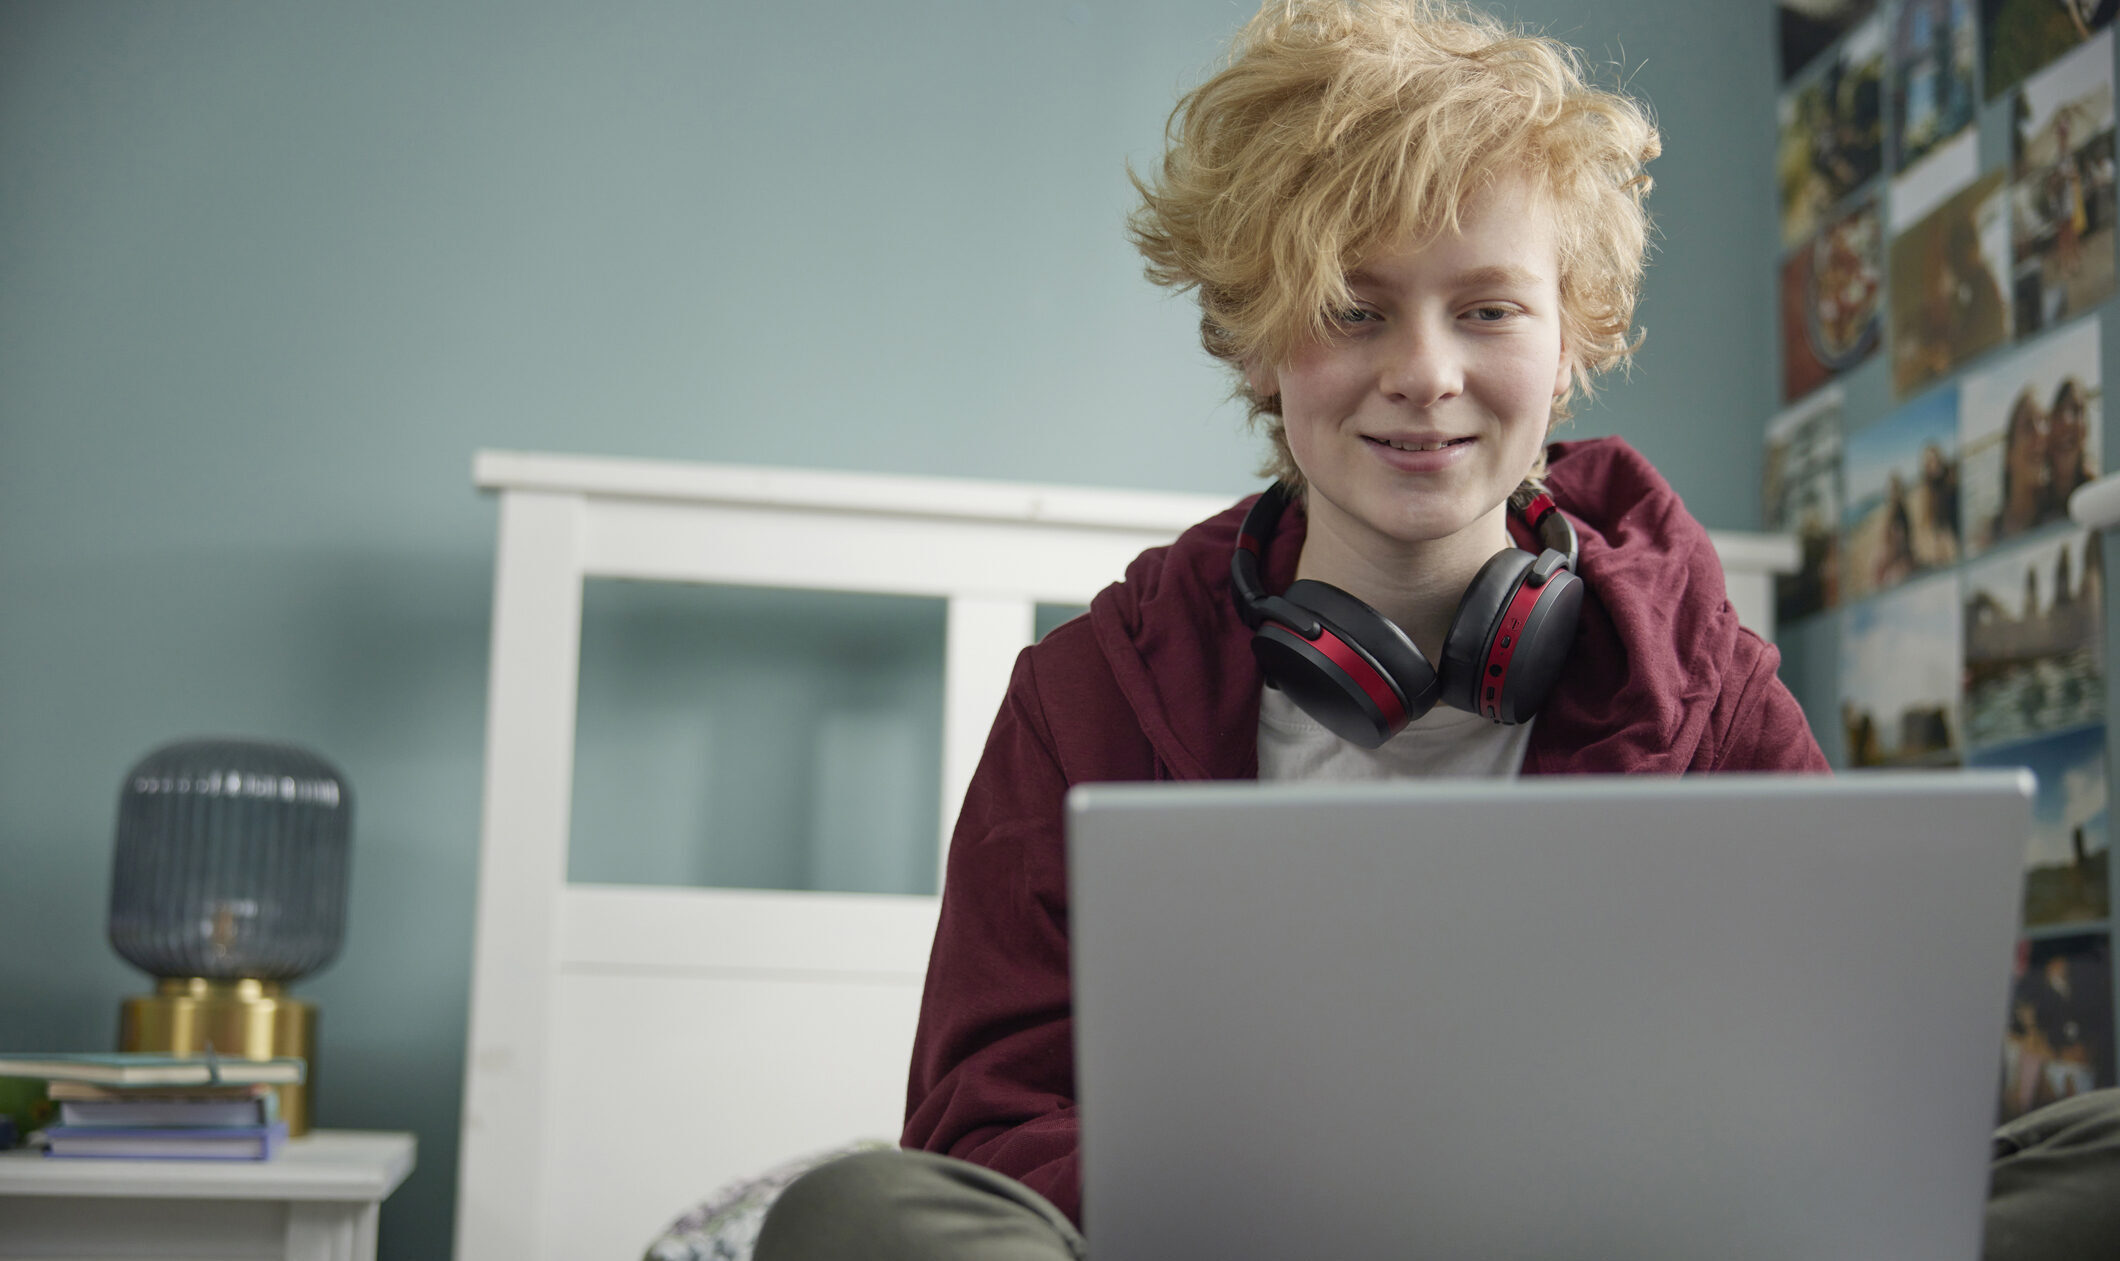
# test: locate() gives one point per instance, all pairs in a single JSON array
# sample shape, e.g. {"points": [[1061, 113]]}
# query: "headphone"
{"points": [[1362, 678]]}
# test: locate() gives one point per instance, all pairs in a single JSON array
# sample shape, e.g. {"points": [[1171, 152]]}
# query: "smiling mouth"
{"points": [[1419, 446]]}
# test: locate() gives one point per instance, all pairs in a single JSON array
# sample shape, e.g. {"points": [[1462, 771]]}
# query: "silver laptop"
{"points": [[1620, 1019]]}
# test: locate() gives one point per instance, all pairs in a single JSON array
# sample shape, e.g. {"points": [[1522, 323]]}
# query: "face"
{"points": [[2065, 432], [1431, 399], [2027, 439]]}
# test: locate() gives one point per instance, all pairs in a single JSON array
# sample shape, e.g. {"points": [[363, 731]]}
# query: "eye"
{"points": [[1490, 313], [1348, 317]]}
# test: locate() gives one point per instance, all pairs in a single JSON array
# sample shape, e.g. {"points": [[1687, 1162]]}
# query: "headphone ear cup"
{"points": [[1362, 679], [1542, 649], [1471, 634], [1502, 656]]}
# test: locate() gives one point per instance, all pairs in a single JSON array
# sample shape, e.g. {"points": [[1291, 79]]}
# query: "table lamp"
{"points": [[229, 881]]}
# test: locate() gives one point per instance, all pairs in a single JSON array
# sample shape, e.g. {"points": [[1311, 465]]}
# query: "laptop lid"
{"points": [[1742, 1017]]}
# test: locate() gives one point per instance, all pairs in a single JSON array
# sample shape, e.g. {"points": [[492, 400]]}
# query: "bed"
{"points": [[788, 1015]]}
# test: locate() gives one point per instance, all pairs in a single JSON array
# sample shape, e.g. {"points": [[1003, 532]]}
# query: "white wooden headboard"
{"points": [[632, 1048]]}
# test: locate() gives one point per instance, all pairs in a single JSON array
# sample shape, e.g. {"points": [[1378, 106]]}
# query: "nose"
{"points": [[1421, 365]]}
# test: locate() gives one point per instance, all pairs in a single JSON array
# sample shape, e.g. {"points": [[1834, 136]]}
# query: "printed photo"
{"points": [[1901, 483], [2035, 640], [2024, 35], [2030, 434], [2061, 195], [1947, 285], [1809, 27], [1832, 301], [1934, 47], [1832, 132], [1949, 168], [1899, 663], [2059, 1038], [1801, 496], [2066, 860]]}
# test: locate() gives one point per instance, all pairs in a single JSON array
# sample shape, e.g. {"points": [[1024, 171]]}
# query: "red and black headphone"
{"points": [[1362, 678]]}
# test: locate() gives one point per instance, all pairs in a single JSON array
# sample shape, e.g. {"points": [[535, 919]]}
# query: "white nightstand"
{"points": [[319, 1200]]}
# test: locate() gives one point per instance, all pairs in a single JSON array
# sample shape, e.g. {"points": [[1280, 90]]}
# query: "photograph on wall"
{"points": [[1953, 166], [1900, 479], [2035, 639], [2029, 435], [1832, 301], [2061, 194], [1934, 47], [1899, 663], [1947, 285], [2068, 859], [2024, 35], [1801, 496], [2059, 1038], [1809, 27], [1832, 132]]}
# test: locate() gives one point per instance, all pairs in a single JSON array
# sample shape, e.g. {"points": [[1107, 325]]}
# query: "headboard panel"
{"points": [[632, 1048]]}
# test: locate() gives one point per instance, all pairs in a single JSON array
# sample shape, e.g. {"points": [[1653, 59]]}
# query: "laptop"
{"points": [[1754, 1018]]}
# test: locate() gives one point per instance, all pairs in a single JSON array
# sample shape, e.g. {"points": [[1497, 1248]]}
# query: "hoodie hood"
{"points": [[1654, 649]]}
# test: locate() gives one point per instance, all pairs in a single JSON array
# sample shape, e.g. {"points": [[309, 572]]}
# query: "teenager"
{"points": [[1415, 236]]}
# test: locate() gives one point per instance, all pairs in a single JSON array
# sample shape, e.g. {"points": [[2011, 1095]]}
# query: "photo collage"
{"points": [[1935, 527]]}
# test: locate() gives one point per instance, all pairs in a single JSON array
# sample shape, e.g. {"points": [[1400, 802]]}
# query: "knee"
{"points": [[2053, 1195], [839, 1209], [862, 1179]]}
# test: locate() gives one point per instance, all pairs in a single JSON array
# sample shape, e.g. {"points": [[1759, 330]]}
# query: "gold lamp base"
{"points": [[242, 1019]]}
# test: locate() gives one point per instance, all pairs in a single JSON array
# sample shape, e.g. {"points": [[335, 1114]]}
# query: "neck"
{"points": [[1417, 585]]}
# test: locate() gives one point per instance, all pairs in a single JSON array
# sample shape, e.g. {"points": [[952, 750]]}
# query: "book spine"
{"points": [[126, 1068], [176, 1113], [165, 1133], [107, 1143]]}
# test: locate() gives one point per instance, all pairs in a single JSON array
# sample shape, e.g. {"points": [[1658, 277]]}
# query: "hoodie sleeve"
{"points": [[993, 1071], [1759, 726]]}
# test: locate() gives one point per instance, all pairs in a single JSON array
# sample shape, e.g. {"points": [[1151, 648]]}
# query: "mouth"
{"points": [[1411, 445]]}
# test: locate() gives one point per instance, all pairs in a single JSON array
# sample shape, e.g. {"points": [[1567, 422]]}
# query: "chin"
{"points": [[1423, 529]]}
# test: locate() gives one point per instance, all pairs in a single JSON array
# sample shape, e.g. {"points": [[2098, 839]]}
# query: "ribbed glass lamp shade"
{"points": [[231, 861]]}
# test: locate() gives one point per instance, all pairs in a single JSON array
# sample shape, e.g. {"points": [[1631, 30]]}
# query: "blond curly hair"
{"points": [[1340, 127]]}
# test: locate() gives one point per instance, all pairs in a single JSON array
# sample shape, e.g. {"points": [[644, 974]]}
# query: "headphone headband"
{"points": [[1555, 533], [1252, 537], [1360, 675]]}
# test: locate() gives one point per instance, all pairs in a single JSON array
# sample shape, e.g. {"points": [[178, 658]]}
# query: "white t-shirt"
{"points": [[1444, 741]]}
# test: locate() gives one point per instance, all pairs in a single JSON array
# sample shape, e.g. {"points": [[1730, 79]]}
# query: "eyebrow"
{"points": [[1495, 276], [1499, 276]]}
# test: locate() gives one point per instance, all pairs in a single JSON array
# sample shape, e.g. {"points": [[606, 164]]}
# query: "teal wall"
{"points": [[271, 272]]}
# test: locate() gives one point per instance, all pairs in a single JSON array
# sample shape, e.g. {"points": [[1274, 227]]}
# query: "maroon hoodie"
{"points": [[1158, 683]]}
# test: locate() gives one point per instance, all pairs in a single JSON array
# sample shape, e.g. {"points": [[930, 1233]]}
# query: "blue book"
{"points": [[100, 1142], [176, 1111]]}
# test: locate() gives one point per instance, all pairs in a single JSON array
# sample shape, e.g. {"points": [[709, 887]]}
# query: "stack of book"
{"points": [[161, 1107]]}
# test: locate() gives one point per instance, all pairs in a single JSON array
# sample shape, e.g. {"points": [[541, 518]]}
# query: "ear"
{"points": [[1565, 374], [1264, 381]]}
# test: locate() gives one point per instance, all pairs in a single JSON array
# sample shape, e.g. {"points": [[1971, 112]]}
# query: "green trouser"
{"points": [[913, 1206], [2054, 1187], [2054, 1196]]}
